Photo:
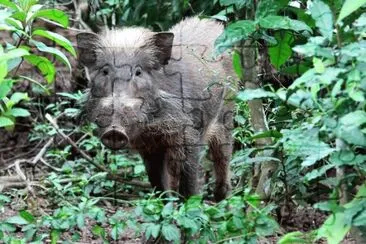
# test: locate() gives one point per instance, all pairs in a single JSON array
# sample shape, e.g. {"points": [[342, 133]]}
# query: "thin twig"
{"points": [[110, 175], [41, 152]]}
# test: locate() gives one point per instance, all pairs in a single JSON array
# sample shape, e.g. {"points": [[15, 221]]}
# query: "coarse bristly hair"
{"points": [[130, 41]]}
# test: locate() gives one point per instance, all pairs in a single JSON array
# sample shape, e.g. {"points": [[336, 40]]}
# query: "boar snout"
{"points": [[114, 139]]}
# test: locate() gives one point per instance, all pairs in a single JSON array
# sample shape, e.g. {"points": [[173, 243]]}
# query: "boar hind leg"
{"points": [[155, 170], [220, 149]]}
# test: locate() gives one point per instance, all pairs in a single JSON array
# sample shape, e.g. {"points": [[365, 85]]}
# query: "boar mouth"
{"points": [[114, 139]]}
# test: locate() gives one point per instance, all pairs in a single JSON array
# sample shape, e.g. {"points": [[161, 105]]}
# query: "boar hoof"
{"points": [[221, 191]]}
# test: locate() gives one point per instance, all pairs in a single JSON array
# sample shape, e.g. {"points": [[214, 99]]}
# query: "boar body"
{"points": [[163, 95]]}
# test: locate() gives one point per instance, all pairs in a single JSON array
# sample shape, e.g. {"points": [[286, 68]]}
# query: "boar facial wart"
{"points": [[114, 139]]}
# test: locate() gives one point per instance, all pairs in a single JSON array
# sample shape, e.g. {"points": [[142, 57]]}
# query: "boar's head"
{"points": [[123, 68]]}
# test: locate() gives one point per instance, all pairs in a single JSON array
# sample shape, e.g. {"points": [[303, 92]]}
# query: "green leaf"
{"points": [[168, 209], [25, 5], [16, 97], [44, 65], [60, 40], [269, 7], [316, 173], [349, 7], [334, 229], [5, 122], [18, 220], [351, 134], [14, 53], [55, 236], [42, 47], [349, 128], [238, 3], [14, 22], [237, 65], [5, 87], [27, 216], [280, 53], [3, 70], [32, 11], [98, 231], [9, 4], [356, 118], [346, 157], [306, 145], [19, 112], [319, 66], [55, 15], [234, 33], [323, 17], [170, 232], [283, 22], [293, 237], [250, 94], [152, 229]]}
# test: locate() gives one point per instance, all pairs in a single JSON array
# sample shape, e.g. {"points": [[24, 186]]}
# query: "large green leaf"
{"points": [[25, 5], [14, 22], [60, 40], [336, 225], [234, 33], [334, 229], [349, 7], [42, 47], [269, 7], [3, 69], [356, 118], [323, 17], [305, 145], [19, 112], [44, 65], [5, 122], [14, 53], [283, 22], [280, 53], [53, 15], [32, 11], [9, 4], [349, 130], [170, 232], [5, 87], [238, 3], [152, 230], [16, 97]]}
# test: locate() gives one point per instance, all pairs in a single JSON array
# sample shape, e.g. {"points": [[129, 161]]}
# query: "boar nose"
{"points": [[114, 139]]}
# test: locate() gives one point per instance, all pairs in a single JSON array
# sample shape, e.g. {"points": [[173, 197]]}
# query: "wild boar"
{"points": [[152, 92]]}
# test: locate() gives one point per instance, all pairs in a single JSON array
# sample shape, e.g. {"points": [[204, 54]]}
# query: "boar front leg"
{"points": [[155, 169], [172, 169], [182, 171]]}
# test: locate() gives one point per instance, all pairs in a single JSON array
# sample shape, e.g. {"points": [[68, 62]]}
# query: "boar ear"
{"points": [[164, 42], [86, 45]]}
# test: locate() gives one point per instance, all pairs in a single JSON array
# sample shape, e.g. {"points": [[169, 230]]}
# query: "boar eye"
{"points": [[138, 71], [105, 71]]}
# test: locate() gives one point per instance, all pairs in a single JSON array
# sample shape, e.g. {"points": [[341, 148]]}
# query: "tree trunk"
{"points": [[263, 172]]}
